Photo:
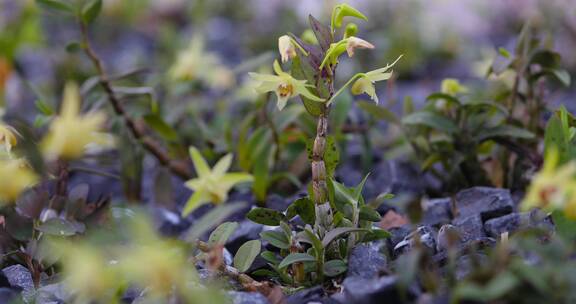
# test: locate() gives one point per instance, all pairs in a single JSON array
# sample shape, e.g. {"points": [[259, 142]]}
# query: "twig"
{"points": [[179, 168], [95, 172], [229, 271]]}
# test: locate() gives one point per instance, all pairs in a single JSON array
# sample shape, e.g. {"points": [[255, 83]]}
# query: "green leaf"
{"points": [[565, 227], [211, 219], [442, 96], [246, 255], [432, 120], [301, 69], [505, 131], [504, 52], [499, 286], [221, 234], [369, 214], [334, 268], [265, 216], [44, 107], [56, 5], [337, 232], [262, 173], [91, 10], [73, 47], [276, 238], [270, 257], [157, 123], [296, 258], [376, 234], [316, 242], [304, 207], [61, 227], [378, 112]]}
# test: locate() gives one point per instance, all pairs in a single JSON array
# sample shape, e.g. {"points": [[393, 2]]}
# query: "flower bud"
{"points": [[286, 48]]}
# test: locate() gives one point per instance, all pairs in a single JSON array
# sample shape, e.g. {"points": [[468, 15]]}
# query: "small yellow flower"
{"points": [[211, 185], [365, 82], [7, 137], [88, 273], [284, 85], [70, 133], [553, 188], [452, 87], [286, 48], [15, 177]]}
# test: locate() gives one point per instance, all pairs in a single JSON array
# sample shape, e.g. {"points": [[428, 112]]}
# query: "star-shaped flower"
{"points": [[71, 132], [16, 176], [284, 85], [211, 185]]}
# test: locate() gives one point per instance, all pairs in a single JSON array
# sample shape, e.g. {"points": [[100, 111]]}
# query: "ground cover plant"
{"points": [[181, 152]]}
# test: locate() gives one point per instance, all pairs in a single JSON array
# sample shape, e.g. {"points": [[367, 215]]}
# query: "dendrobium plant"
{"points": [[211, 185], [312, 73]]}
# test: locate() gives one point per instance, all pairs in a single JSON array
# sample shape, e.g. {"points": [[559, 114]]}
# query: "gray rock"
{"points": [[19, 277], [423, 234], [484, 201], [437, 212], [375, 291], [241, 297], [53, 293], [7, 295], [470, 228], [367, 260], [512, 222]]}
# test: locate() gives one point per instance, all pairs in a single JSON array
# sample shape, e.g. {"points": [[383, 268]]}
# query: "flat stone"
{"points": [[241, 297], [515, 221], [19, 277], [367, 260], [484, 201], [375, 291], [470, 228], [437, 212]]}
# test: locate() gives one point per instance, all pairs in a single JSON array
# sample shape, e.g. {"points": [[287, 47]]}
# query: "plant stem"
{"points": [[319, 183], [178, 168]]}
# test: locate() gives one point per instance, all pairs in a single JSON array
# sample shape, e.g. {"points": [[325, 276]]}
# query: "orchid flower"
{"points": [[211, 185], [284, 85]]}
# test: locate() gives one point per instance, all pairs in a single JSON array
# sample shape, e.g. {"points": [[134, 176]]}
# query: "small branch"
{"points": [[247, 282], [179, 168], [95, 172]]}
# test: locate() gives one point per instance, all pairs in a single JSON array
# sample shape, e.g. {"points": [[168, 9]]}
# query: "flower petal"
{"points": [[199, 162], [223, 165], [198, 198]]}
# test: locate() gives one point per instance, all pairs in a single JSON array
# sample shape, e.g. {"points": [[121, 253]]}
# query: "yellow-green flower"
{"points": [[284, 85], [195, 63], [365, 82], [15, 177], [553, 188], [71, 132], [211, 185], [452, 87]]}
